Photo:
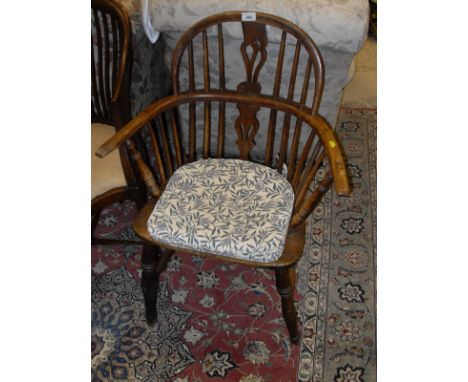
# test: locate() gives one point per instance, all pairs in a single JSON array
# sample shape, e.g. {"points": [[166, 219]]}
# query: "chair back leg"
{"points": [[285, 284]]}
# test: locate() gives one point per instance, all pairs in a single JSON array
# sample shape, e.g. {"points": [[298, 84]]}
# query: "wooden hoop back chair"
{"points": [[111, 59], [301, 149]]}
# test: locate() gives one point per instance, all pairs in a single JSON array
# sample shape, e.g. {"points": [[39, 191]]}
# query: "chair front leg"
{"points": [[150, 281], [285, 284], [153, 262]]}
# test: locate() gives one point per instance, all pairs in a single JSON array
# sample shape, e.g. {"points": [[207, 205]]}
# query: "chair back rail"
{"points": [[310, 178]]}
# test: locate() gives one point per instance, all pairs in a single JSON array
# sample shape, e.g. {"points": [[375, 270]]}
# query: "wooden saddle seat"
{"points": [[216, 191]]}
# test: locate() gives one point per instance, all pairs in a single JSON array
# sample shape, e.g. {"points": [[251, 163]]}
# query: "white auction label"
{"points": [[249, 16]]}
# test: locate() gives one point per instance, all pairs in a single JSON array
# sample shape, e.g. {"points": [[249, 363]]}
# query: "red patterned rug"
{"points": [[216, 320], [223, 322]]}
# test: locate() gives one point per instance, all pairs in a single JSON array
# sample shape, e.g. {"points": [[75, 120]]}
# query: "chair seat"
{"points": [[225, 207], [106, 173]]}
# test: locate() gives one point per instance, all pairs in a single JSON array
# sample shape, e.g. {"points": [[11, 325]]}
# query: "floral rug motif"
{"points": [[220, 321], [123, 347]]}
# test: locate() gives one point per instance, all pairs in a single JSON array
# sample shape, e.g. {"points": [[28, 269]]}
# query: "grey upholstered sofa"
{"points": [[149, 79], [338, 27]]}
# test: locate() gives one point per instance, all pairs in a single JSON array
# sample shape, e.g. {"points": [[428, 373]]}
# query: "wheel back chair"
{"points": [[204, 200], [113, 179]]}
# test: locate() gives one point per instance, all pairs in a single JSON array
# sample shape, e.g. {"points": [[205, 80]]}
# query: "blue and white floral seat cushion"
{"points": [[226, 207]]}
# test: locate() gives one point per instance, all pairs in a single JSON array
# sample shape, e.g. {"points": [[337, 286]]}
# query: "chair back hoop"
{"points": [[253, 49], [290, 70]]}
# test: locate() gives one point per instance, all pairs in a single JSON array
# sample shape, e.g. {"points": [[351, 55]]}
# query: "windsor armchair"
{"points": [[114, 178], [248, 208]]}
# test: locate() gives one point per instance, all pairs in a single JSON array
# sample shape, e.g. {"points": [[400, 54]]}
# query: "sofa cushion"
{"points": [[338, 24], [107, 172], [226, 207]]}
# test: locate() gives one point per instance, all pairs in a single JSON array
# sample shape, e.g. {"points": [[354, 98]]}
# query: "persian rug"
{"points": [[220, 321], [337, 272]]}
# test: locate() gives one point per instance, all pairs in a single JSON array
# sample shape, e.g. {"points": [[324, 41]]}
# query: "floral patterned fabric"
{"points": [[227, 207]]}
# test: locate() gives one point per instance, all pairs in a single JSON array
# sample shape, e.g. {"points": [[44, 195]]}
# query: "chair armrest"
{"points": [[323, 129], [335, 156], [137, 123]]}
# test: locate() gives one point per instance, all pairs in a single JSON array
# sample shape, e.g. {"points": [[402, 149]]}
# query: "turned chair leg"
{"points": [[285, 284], [153, 262], [150, 281]]}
